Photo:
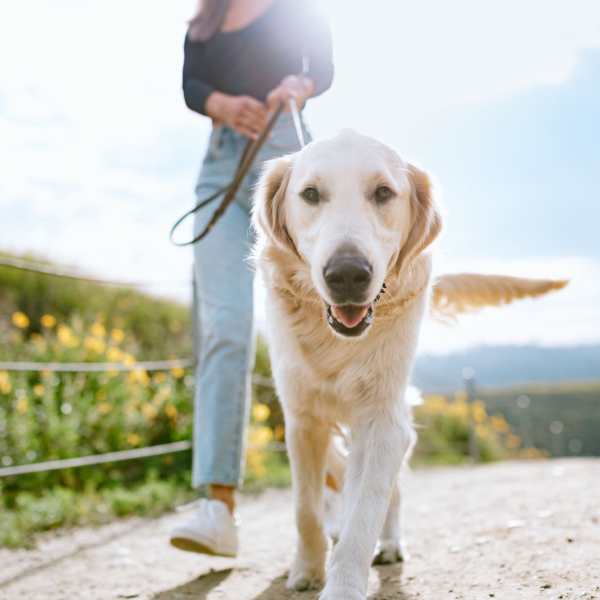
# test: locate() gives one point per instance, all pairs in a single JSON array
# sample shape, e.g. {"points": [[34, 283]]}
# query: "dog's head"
{"points": [[353, 213]]}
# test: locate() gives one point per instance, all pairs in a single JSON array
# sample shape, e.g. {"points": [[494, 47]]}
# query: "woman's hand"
{"points": [[293, 86], [244, 114]]}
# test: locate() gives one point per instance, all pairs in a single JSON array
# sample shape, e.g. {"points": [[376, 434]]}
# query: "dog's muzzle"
{"points": [[348, 277]]}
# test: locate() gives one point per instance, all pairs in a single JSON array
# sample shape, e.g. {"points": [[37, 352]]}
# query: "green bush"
{"points": [[444, 426], [46, 416], [161, 328]]}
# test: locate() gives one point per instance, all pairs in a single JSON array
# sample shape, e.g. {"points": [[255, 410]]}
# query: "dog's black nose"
{"points": [[348, 277]]}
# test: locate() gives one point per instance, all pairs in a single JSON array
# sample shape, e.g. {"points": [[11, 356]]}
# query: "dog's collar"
{"points": [[381, 292]]}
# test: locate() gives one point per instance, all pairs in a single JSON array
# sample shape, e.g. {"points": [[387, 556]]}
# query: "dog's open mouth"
{"points": [[350, 319]]}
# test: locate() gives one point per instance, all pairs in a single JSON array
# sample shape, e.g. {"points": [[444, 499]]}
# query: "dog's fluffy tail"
{"points": [[466, 292]]}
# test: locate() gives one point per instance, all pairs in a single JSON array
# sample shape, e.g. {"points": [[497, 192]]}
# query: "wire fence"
{"points": [[110, 457], [97, 367], [65, 273]]}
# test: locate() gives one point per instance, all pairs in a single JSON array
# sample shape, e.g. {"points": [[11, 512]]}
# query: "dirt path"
{"points": [[506, 531]]}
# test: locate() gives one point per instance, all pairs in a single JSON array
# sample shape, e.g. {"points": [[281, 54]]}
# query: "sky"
{"points": [[499, 101]]}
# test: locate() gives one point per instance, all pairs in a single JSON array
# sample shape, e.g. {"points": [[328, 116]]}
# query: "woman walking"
{"points": [[242, 59]]}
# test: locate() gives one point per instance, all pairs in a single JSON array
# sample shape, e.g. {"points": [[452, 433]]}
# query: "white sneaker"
{"points": [[211, 529]]}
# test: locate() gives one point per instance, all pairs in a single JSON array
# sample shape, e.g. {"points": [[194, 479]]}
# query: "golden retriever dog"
{"points": [[343, 228]]}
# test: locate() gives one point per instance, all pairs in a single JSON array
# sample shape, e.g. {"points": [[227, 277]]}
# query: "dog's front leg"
{"points": [[390, 541], [308, 441], [377, 451]]}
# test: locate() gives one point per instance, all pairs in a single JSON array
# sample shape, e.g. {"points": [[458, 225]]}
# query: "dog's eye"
{"points": [[383, 193], [311, 195]]}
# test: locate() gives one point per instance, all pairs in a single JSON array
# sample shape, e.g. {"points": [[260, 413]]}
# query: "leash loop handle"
{"points": [[229, 191]]}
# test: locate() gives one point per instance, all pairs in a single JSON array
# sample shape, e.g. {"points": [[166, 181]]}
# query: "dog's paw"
{"points": [[389, 552], [302, 578]]}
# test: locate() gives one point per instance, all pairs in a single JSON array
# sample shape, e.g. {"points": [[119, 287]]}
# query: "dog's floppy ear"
{"points": [[425, 215], [268, 201]]}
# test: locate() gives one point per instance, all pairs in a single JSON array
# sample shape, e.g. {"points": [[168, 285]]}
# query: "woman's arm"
{"points": [[195, 90], [244, 114]]}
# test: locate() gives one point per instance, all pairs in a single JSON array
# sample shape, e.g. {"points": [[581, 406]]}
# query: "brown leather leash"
{"points": [[229, 191]]}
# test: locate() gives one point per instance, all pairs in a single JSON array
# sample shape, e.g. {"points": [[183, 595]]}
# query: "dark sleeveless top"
{"points": [[287, 39]]}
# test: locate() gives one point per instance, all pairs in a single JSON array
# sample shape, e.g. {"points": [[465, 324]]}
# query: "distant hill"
{"points": [[508, 365]]}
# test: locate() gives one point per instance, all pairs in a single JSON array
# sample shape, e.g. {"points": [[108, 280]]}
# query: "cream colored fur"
{"points": [[324, 379], [466, 292]]}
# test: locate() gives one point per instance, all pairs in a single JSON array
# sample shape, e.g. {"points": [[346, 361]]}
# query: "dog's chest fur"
{"points": [[342, 373]]}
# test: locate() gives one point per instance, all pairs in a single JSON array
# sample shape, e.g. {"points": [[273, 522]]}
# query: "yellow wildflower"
{"points": [[260, 412], [133, 439], [499, 424], [48, 321], [66, 337], [533, 453], [114, 355], [98, 330], [459, 409], [94, 344], [20, 320], [149, 411], [139, 376], [435, 403], [178, 372], [104, 408], [482, 432], [5, 385], [160, 377], [22, 406], [117, 336], [171, 411], [478, 412], [38, 390], [128, 359], [64, 334], [260, 436]]}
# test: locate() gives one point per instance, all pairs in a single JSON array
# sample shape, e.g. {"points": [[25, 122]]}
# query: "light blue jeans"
{"points": [[223, 307]]}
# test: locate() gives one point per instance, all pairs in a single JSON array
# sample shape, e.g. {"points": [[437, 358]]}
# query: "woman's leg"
{"points": [[225, 351]]}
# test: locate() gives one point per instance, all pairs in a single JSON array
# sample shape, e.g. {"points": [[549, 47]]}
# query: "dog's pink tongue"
{"points": [[349, 315]]}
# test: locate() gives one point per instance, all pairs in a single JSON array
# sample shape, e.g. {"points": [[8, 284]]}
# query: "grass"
{"points": [[45, 416], [161, 328], [60, 506]]}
